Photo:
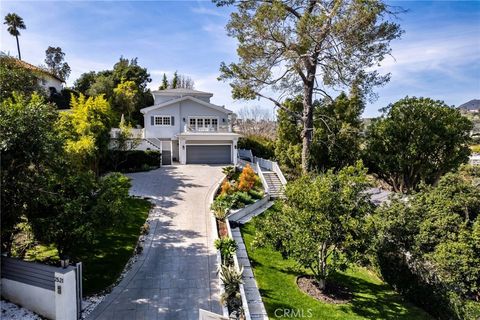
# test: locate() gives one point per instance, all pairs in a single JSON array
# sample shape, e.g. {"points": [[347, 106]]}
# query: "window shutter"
{"points": [[152, 120], [173, 121]]}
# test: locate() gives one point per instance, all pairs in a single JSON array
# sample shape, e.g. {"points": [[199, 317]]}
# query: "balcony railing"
{"points": [[218, 128]]}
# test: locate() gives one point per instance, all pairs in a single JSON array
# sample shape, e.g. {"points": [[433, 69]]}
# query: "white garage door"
{"points": [[205, 154]]}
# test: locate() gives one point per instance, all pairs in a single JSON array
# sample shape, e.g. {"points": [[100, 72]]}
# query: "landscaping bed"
{"points": [[277, 279], [237, 190]]}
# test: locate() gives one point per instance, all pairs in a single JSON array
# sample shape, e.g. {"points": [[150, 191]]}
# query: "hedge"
{"points": [[131, 161], [260, 146], [417, 285]]}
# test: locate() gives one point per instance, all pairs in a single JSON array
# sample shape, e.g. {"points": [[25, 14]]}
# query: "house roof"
{"points": [[181, 92], [31, 67], [169, 102]]}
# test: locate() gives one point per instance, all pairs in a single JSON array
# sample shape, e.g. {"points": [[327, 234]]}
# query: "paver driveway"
{"points": [[176, 273]]}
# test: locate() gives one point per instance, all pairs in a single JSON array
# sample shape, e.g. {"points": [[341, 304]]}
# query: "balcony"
{"points": [[208, 129]]}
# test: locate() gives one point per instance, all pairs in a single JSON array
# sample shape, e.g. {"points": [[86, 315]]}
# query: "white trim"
{"points": [[173, 101], [163, 117], [204, 117], [171, 152]]}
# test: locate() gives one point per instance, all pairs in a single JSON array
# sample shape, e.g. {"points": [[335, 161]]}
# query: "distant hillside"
{"points": [[471, 105]]}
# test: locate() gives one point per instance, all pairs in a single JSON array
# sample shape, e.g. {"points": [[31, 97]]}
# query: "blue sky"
{"points": [[438, 56]]}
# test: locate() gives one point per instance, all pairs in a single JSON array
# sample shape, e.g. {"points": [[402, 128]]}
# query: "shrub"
{"points": [[242, 198], [226, 187], [220, 208], [260, 146], [130, 161], [248, 178], [255, 194], [229, 172], [145, 229], [231, 279], [227, 247]]}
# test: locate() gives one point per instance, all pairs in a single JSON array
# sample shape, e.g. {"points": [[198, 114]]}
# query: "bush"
{"points": [[229, 172], [260, 146], [226, 188], [242, 198], [231, 279], [248, 179], [255, 194], [227, 247], [220, 207], [131, 161]]}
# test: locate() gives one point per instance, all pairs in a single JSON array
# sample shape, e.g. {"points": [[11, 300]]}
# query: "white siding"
{"points": [[181, 110]]}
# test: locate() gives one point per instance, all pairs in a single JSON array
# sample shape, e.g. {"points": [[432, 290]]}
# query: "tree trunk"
{"points": [[321, 284], [18, 48], [307, 132]]}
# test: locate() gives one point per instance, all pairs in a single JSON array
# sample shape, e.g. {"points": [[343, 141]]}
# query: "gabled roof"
{"points": [[31, 67], [181, 92], [169, 102]]}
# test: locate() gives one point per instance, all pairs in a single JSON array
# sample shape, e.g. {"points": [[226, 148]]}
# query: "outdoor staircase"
{"points": [[154, 142], [274, 184]]}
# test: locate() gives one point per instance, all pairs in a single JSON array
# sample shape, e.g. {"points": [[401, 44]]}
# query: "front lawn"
{"points": [[104, 260], [276, 278]]}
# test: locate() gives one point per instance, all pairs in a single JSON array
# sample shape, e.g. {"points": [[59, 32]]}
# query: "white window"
{"points": [[162, 120], [203, 123]]}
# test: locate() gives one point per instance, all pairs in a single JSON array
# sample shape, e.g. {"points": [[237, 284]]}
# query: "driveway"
{"points": [[176, 273]]}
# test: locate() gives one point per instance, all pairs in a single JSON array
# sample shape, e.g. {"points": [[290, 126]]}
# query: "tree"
{"points": [[185, 82], [175, 80], [15, 23], [87, 130], [30, 150], [55, 62], [417, 140], [436, 232], [84, 82], [125, 97], [310, 47], [255, 121], [14, 78], [164, 84], [322, 223], [104, 82], [336, 138], [81, 208], [103, 85]]}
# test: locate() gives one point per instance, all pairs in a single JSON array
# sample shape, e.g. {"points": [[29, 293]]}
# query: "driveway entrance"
{"points": [[176, 273]]}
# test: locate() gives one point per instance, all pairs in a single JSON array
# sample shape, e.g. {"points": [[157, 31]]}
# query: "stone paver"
{"points": [[176, 273]]}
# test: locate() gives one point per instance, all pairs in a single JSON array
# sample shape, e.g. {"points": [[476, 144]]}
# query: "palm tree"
{"points": [[14, 23]]}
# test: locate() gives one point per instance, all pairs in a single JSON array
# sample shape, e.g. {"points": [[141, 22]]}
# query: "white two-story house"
{"points": [[187, 128]]}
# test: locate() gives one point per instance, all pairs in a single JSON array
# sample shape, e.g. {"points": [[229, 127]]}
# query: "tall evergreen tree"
{"points": [[291, 47], [164, 84]]}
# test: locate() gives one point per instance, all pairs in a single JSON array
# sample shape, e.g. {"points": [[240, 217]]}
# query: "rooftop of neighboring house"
{"points": [[31, 67]]}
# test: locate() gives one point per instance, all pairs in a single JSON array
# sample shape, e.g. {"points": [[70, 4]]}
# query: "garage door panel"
{"points": [[209, 154]]}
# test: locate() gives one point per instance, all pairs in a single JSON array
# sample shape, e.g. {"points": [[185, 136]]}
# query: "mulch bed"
{"points": [[333, 293]]}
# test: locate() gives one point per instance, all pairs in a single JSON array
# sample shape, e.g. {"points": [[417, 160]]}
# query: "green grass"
{"points": [[104, 260], [276, 278]]}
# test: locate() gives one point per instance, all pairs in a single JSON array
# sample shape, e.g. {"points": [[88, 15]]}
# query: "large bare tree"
{"points": [[291, 47]]}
